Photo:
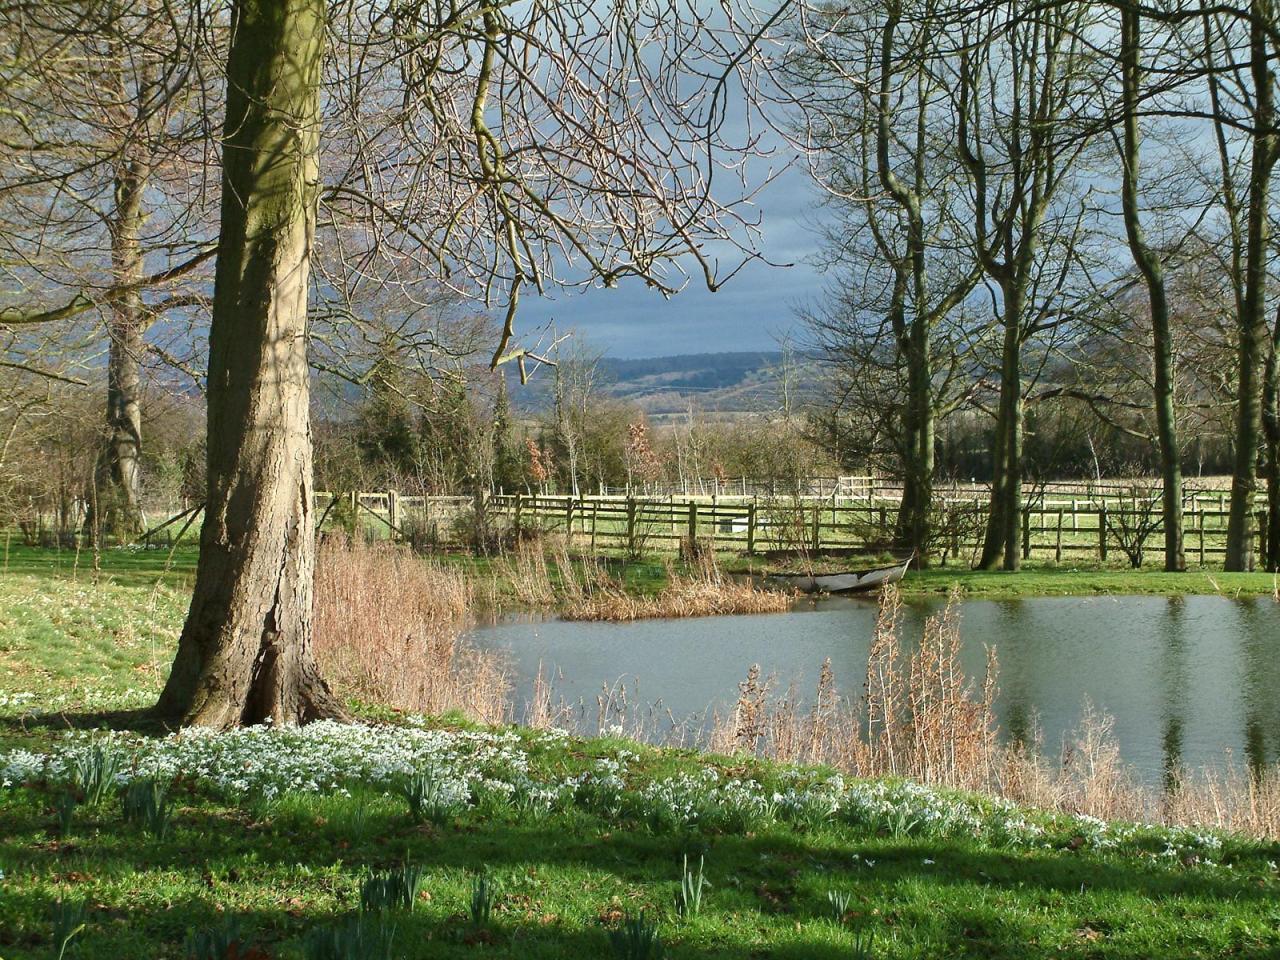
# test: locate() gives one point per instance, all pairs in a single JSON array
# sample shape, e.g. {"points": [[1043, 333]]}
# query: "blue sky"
{"points": [[748, 313]]}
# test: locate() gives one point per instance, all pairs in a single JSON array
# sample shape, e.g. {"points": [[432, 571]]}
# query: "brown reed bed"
{"points": [[922, 718], [388, 629], [703, 591]]}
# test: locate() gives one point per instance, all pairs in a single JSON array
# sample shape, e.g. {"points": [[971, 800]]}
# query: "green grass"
{"points": [[286, 866], [1049, 580], [567, 879]]}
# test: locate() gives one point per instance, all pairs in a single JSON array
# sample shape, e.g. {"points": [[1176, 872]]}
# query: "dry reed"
{"points": [[388, 629], [921, 717], [704, 591]]}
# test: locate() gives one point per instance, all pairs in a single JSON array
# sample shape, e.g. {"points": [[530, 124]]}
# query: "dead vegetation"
{"points": [[922, 718], [545, 574], [388, 629]]}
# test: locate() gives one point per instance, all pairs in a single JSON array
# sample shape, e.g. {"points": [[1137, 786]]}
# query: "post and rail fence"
{"points": [[1060, 520]]}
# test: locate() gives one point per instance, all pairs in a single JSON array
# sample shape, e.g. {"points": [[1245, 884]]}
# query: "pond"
{"points": [[1185, 678]]}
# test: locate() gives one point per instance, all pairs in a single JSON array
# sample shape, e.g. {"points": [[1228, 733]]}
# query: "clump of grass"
{"points": [[362, 937], [429, 798], [692, 884], [637, 939], [838, 903], [222, 942], [145, 803], [484, 894], [64, 807], [93, 773], [388, 628], [70, 917], [394, 889]]}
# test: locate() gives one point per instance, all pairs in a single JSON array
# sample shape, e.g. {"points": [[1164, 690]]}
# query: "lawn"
{"points": [[524, 843]]}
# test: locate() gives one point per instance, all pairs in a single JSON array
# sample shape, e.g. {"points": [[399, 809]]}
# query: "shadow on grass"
{"points": [[140, 720]]}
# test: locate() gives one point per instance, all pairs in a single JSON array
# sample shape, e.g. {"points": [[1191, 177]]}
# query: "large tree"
{"points": [[508, 146], [245, 653]]}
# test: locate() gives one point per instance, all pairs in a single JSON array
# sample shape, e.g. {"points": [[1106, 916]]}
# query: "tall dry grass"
{"points": [[702, 591], [388, 629], [919, 716]]}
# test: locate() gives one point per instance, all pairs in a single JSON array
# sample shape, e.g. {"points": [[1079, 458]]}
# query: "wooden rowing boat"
{"points": [[852, 581]]}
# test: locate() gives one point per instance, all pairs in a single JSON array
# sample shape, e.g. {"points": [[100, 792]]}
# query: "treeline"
{"points": [[460, 435], [1054, 220]]}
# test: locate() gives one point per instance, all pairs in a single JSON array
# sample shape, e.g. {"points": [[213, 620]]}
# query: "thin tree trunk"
{"points": [[1152, 271], [245, 654], [120, 473], [913, 531], [1002, 540], [1271, 434]]}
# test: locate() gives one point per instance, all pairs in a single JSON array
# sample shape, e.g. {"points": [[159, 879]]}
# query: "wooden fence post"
{"points": [[751, 528], [1057, 550], [631, 526], [1026, 533], [595, 513], [692, 531], [817, 529], [518, 509], [1102, 532], [393, 514]]}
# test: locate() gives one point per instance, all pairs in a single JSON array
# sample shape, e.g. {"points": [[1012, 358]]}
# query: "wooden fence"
{"points": [[1058, 528], [1057, 521]]}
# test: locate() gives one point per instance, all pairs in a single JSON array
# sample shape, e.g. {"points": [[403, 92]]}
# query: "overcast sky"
{"points": [[748, 313]]}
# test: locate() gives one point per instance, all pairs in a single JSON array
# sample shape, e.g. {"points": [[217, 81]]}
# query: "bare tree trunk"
{"points": [[1002, 543], [918, 427], [120, 471], [246, 654], [1152, 270], [1252, 324], [1271, 434]]}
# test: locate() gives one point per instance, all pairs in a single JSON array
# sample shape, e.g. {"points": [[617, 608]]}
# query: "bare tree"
{"points": [[1151, 267], [1020, 80], [104, 192], [878, 133]]}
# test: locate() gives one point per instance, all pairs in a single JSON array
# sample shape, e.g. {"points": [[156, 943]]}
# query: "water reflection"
{"points": [[1175, 682], [1186, 679]]}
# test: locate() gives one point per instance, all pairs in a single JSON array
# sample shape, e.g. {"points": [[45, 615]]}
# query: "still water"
{"points": [[1186, 679]]}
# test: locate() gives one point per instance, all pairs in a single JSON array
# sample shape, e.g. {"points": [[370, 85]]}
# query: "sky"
{"points": [[750, 312]]}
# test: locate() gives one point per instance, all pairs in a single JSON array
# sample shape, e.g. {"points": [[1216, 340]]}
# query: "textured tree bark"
{"points": [[245, 654], [1152, 270], [119, 476]]}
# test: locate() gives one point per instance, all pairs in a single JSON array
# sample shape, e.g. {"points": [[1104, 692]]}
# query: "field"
{"points": [[525, 843]]}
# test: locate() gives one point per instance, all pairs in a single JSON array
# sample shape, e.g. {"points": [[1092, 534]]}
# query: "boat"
{"points": [[851, 581]]}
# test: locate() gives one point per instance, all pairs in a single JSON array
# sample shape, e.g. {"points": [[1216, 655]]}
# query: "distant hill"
{"points": [[738, 382]]}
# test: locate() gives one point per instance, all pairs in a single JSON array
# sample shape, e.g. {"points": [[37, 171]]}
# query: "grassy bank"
{"points": [[274, 834], [1058, 581]]}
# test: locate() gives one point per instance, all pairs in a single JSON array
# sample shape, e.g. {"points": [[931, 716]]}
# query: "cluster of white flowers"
{"points": [[318, 758], [465, 768]]}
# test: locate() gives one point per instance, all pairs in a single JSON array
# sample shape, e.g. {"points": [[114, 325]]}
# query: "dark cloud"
{"points": [[748, 313]]}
